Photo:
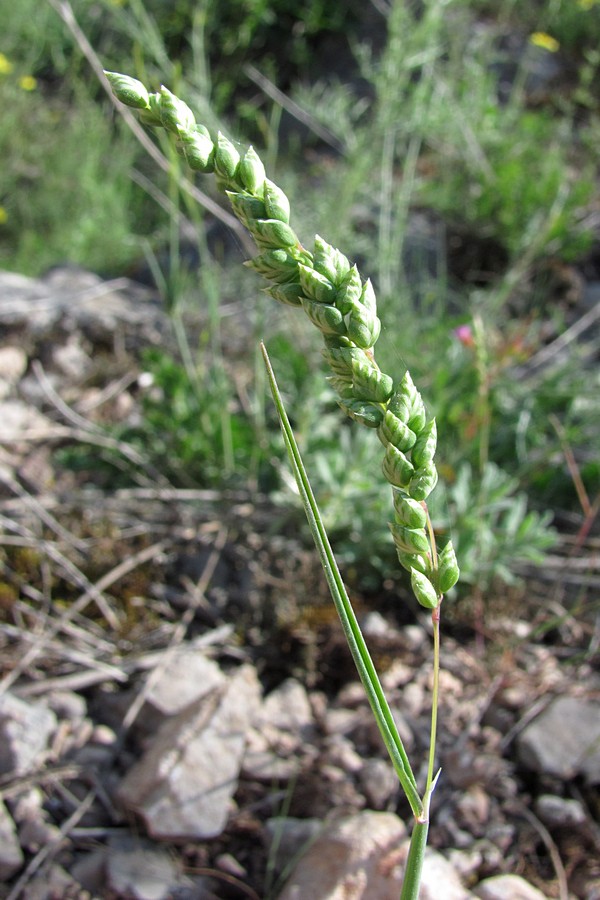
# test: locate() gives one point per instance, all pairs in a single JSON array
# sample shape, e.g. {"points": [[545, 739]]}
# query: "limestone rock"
{"points": [[354, 858], [183, 785], [11, 857], [564, 740], [71, 360], [69, 299], [18, 417], [53, 881], [507, 887], [379, 782], [362, 857], [440, 880], [13, 363], [558, 812], [32, 820], [187, 677], [283, 730], [25, 729], [289, 837], [139, 869]]}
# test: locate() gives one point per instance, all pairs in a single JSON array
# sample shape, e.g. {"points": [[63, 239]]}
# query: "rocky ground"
{"points": [[179, 717]]}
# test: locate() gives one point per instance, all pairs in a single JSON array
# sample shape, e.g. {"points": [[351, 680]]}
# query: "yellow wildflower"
{"points": [[27, 83], [543, 40], [586, 4], [3, 215], [5, 65]]}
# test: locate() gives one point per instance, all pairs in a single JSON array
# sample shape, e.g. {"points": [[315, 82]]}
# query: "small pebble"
{"points": [[556, 812]]}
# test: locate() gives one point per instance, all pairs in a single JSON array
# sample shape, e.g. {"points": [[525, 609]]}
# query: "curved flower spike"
{"points": [[342, 306]]}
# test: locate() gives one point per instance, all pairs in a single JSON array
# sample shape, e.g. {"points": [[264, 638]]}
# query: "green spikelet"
{"points": [[364, 413], [271, 233], [251, 171], [410, 540], [448, 571], [330, 262], [363, 329], [290, 294], [197, 148], [247, 208], [408, 511], [349, 291], [151, 116], [342, 386], [410, 561], [423, 482], [425, 445], [397, 468], [370, 383], [363, 325], [128, 90], [175, 115], [277, 204], [316, 286], [276, 265], [404, 397], [394, 431], [227, 159], [423, 590], [328, 319], [341, 359]]}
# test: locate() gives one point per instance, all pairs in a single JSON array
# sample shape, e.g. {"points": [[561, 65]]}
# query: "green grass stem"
{"points": [[356, 642]]}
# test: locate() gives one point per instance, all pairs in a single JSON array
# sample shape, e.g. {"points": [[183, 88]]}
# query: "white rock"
{"points": [[11, 857], [25, 729], [288, 837], [440, 880], [379, 782], [354, 858], [89, 870], [71, 359], [186, 678], [52, 882], [183, 785], [139, 869], [507, 887], [13, 363], [342, 721], [67, 705], [564, 740], [342, 752], [103, 736], [68, 299], [35, 833], [283, 727], [373, 625], [557, 812], [466, 862], [362, 857], [28, 805], [18, 417], [415, 636], [351, 696], [34, 828], [288, 708]]}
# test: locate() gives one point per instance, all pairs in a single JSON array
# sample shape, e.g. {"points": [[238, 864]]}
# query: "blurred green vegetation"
{"points": [[445, 121]]}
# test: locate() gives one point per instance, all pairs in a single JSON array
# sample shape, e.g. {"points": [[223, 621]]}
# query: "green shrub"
{"points": [[58, 205]]}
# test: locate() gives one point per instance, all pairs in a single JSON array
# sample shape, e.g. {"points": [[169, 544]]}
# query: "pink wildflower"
{"points": [[464, 333]]}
